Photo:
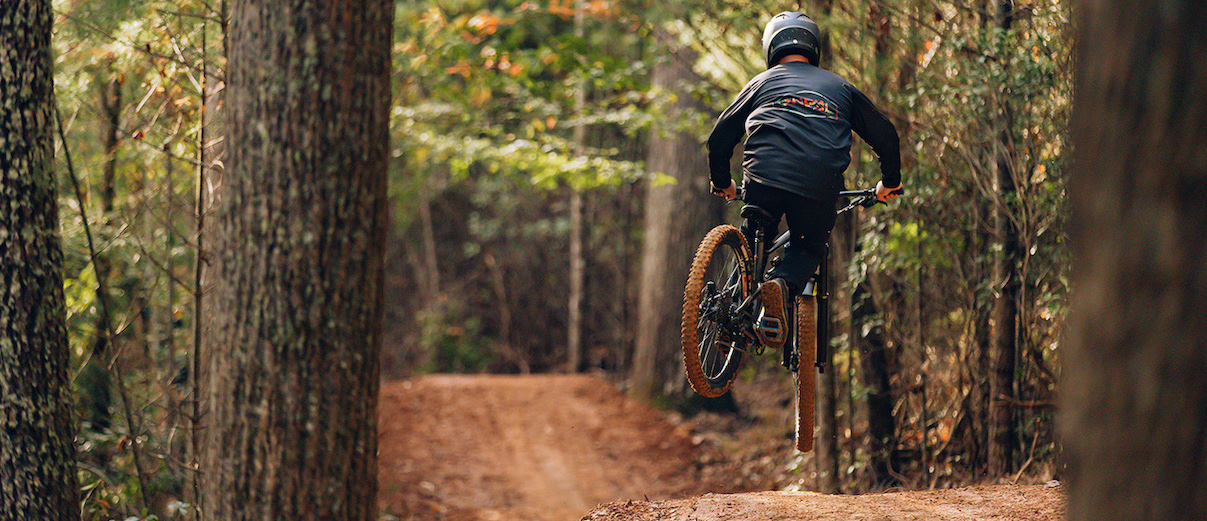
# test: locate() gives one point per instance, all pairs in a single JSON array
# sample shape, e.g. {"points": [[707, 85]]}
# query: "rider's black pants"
{"points": [[810, 222]]}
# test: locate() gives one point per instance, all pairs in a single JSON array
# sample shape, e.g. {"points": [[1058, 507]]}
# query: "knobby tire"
{"points": [[806, 346], [723, 249]]}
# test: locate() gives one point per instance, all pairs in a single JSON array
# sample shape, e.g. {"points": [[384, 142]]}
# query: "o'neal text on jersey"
{"points": [[818, 107]]}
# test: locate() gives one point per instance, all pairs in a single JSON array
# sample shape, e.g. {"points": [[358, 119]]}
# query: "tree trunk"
{"points": [[841, 241], [826, 447], [677, 217], [876, 370], [210, 170], [1006, 282], [293, 326], [1135, 390], [110, 97], [976, 242], [37, 450], [578, 276], [578, 262]]}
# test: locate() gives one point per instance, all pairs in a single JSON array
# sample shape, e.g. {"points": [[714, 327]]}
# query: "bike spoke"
{"points": [[723, 274], [709, 353]]}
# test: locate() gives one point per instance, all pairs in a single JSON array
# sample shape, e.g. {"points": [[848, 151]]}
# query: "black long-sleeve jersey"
{"points": [[798, 119]]}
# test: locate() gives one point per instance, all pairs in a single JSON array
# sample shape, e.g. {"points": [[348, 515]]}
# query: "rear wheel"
{"points": [[719, 280], [806, 350]]}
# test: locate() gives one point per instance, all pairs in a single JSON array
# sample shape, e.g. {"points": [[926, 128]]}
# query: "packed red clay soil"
{"points": [[997, 503], [555, 448]]}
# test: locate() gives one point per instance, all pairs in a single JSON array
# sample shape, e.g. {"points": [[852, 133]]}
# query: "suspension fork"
{"points": [[823, 311]]}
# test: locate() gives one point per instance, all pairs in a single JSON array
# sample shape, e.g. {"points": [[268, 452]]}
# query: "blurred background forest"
{"points": [[548, 188]]}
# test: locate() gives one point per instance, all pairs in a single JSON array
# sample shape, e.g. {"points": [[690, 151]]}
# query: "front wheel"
{"points": [[806, 345], [719, 280]]}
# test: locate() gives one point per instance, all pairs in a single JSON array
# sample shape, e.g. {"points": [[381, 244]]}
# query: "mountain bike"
{"points": [[723, 319]]}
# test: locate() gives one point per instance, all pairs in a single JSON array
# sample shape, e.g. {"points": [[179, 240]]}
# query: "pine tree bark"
{"points": [[677, 217], [1135, 389], [37, 450], [296, 263]]}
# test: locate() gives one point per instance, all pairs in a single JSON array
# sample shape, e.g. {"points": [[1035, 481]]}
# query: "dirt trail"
{"points": [[553, 448], [996, 503], [523, 448]]}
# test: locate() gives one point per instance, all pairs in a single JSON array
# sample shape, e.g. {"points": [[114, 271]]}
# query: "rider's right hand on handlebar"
{"points": [[885, 194]]}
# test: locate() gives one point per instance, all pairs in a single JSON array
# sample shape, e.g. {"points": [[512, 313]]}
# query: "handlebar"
{"points": [[865, 198]]}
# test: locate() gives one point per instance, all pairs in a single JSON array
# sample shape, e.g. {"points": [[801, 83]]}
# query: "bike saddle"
{"points": [[758, 215]]}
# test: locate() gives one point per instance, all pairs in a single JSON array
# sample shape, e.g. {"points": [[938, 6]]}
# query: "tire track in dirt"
{"points": [[542, 448]]}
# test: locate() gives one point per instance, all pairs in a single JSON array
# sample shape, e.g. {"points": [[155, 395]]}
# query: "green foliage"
{"points": [[546, 161], [110, 486], [128, 77], [494, 82]]}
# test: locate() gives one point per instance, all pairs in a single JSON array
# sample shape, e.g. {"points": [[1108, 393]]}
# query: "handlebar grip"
{"points": [[899, 191]]}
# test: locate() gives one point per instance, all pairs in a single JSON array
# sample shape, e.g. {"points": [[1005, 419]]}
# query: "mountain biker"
{"points": [[798, 120]]}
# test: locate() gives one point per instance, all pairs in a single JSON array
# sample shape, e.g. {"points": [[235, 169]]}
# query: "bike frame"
{"points": [[818, 286]]}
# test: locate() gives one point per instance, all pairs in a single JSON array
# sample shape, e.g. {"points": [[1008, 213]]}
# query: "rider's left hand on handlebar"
{"points": [[885, 194], [729, 193]]}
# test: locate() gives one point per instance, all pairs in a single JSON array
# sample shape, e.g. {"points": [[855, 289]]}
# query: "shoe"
{"points": [[772, 327]]}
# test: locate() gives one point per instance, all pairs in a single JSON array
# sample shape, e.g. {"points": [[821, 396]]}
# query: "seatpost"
{"points": [[760, 253]]}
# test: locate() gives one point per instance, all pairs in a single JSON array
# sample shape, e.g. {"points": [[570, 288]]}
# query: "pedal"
{"points": [[771, 331], [771, 326]]}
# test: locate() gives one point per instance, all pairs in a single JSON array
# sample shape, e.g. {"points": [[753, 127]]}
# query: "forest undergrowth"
{"points": [[753, 446]]}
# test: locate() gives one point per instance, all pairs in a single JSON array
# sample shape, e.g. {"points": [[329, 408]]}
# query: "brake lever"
{"points": [[869, 201]]}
